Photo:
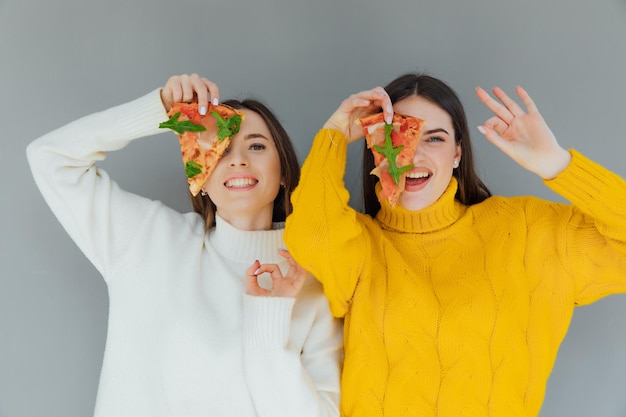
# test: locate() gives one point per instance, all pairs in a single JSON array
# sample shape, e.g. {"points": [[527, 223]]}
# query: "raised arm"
{"points": [[100, 217], [586, 239], [323, 233]]}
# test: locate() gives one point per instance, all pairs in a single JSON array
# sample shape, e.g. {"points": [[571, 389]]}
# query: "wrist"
{"points": [[557, 164]]}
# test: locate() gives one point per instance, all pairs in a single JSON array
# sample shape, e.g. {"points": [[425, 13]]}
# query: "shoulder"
{"points": [[517, 208], [165, 224]]}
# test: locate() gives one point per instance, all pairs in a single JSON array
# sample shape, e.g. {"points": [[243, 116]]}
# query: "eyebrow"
{"points": [[255, 136], [429, 132]]}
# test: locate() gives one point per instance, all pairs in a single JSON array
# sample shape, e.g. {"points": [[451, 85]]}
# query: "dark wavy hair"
{"points": [[471, 188], [289, 165]]}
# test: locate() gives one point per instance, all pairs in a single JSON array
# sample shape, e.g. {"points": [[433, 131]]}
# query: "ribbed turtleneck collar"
{"points": [[441, 214], [246, 246]]}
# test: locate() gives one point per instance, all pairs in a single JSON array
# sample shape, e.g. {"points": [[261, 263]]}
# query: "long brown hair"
{"points": [[289, 166], [471, 188]]}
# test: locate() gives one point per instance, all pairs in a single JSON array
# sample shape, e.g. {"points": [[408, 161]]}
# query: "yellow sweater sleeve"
{"points": [[323, 232], [594, 243]]}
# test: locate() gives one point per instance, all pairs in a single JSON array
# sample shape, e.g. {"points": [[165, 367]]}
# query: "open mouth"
{"points": [[240, 183], [417, 178]]}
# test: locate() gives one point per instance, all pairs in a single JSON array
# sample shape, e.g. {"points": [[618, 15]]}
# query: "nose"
{"points": [[237, 157]]}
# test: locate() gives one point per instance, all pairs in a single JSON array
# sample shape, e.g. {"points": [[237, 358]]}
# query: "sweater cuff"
{"points": [[589, 186], [267, 320]]}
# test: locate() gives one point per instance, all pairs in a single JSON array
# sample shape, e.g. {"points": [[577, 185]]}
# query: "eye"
{"points": [[435, 139], [257, 147], [226, 150]]}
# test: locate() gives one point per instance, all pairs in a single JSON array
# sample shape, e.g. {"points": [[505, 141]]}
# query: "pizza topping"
{"points": [[192, 168], [203, 138], [181, 126], [391, 154], [393, 147], [228, 127]]}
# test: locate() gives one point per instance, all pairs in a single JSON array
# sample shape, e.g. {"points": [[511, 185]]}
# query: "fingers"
{"points": [[510, 104], [508, 109], [189, 88], [497, 108], [358, 105], [494, 137], [378, 96], [285, 254], [271, 269], [528, 102], [252, 283], [288, 285], [496, 124], [207, 90]]}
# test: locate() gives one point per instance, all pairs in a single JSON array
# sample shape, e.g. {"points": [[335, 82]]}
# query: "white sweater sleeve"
{"points": [[100, 217], [292, 357]]}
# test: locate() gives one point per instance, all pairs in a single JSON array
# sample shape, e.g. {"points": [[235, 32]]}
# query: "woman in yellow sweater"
{"points": [[455, 301]]}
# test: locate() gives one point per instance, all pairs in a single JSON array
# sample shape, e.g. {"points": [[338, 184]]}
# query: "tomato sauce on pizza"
{"points": [[393, 146], [203, 138]]}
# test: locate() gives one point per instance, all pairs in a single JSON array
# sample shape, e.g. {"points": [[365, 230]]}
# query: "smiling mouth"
{"points": [[240, 183], [422, 174], [417, 178]]}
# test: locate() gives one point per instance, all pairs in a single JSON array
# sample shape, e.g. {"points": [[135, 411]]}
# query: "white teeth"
{"points": [[240, 182], [418, 175]]}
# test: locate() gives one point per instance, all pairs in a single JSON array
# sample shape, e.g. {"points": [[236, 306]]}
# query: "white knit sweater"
{"points": [[183, 338]]}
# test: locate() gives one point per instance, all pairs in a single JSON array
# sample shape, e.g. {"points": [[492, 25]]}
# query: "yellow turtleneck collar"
{"points": [[445, 211]]}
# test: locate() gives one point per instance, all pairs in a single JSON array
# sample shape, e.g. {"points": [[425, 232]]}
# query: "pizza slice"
{"points": [[393, 146], [203, 139]]}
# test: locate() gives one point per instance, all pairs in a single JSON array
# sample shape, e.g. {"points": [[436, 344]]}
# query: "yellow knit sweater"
{"points": [[456, 310]]}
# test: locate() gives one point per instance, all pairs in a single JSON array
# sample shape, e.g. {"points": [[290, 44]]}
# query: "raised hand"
{"points": [[356, 106], [190, 88], [282, 286], [523, 135]]}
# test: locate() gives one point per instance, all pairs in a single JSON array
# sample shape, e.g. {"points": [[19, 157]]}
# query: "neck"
{"points": [[248, 221], [445, 211]]}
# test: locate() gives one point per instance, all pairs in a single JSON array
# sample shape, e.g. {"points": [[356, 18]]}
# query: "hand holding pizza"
{"points": [[189, 88], [356, 106], [524, 137], [204, 130], [282, 286]]}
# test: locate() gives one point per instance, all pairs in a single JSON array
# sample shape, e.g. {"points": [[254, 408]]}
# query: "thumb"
{"points": [[497, 140]]}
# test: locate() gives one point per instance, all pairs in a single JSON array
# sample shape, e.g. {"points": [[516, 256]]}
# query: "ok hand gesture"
{"points": [[523, 136], [287, 286]]}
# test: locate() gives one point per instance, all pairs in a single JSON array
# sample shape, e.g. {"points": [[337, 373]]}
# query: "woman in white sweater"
{"points": [[191, 332]]}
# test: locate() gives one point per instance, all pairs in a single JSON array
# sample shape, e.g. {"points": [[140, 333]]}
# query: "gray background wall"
{"points": [[62, 59]]}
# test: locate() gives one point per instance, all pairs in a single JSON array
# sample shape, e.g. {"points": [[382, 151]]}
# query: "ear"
{"points": [[458, 152]]}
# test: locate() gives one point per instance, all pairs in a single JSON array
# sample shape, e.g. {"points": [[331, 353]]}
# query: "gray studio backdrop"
{"points": [[62, 59]]}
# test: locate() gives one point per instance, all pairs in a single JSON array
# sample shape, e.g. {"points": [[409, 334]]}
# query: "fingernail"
{"points": [[282, 249], [203, 110], [215, 101], [257, 271], [481, 129], [389, 119]]}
